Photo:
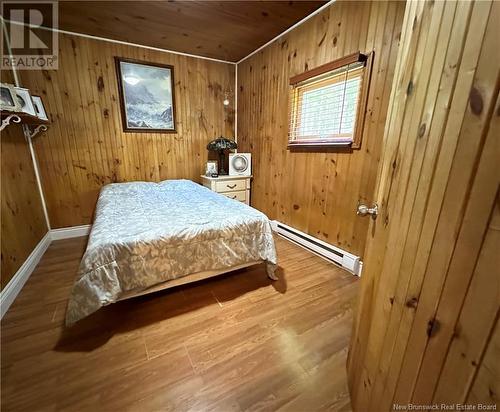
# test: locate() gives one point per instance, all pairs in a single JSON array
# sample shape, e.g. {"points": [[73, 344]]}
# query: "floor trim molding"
{"points": [[12, 289], [70, 232], [10, 292]]}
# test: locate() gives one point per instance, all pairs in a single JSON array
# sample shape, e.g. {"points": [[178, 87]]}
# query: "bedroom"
{"points": [[250, 205]]}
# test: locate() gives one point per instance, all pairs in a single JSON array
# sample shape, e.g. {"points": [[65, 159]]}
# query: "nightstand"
{"points": [[234, 187]]}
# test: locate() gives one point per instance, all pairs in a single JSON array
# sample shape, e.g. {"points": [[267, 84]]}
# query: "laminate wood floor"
{"points": [[237, 342]]}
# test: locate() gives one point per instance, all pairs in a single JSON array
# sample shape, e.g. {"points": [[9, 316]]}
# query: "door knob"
{"points": [[364, 210]]}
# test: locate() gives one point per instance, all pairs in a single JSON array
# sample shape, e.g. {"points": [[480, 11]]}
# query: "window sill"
{"points": [[321, 147]]}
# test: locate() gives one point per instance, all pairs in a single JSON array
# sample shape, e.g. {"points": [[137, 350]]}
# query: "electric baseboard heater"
{"points": [[332, 253]]}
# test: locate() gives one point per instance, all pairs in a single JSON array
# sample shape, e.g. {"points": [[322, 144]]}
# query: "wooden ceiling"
{"points": [[226, 30]]}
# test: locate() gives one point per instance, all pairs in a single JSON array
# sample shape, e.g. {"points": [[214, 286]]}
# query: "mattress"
{"points": [[147, 233]]}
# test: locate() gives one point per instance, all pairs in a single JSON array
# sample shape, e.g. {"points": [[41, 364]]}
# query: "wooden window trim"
{"points": [[362, 105], [363, 102], [328, 67]]}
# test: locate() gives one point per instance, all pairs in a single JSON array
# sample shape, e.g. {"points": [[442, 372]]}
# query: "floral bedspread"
{"points": [[148, 233]]}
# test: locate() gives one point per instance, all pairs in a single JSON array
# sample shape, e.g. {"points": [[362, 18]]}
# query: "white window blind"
{"points": [[324, 108]]}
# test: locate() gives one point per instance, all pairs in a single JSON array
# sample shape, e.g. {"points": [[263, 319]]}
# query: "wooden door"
{"points": [[426, 328]]}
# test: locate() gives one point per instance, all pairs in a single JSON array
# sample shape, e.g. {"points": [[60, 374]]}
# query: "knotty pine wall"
{"points": [[426, 330], [23, 222], [85, 147], [317, 192]]}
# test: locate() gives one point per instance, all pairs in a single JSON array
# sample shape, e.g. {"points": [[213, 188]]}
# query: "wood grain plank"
{"points": [[22, 217], [199, 346], [418, 337], [226, 30], [317, 192], [85, 146]]}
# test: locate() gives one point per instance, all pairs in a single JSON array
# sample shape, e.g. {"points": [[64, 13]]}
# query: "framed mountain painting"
{"points": [[146, 96]]}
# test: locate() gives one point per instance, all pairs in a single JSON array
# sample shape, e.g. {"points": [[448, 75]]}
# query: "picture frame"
{"points": [[39, 107], [24, 99], [147, 96], [212, 168], [8, 98]]}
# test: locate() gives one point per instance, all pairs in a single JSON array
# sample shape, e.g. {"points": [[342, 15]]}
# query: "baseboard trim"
{"points": [[70, 232], [10, 292], [12, 289]]}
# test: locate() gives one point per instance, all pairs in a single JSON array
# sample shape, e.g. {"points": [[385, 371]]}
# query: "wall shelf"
{"points": [[34, 124]]}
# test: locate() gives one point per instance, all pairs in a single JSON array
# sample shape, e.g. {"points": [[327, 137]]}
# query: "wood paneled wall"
{"points": [[317, 192], [85, 147], [23, 222], [426, 330]]}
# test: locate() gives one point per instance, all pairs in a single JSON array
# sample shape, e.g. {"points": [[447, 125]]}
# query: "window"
{"points": [[328, 103]]}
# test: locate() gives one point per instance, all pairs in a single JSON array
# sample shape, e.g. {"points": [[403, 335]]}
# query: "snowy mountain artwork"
{"points": [[146, 91]]}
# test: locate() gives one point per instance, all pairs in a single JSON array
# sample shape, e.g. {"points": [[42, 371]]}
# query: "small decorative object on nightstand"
{"points": [[221, 145], [212, 169], [234, 187]]}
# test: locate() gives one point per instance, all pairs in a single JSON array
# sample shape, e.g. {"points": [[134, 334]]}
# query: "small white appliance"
{"points": [[240, 164]]}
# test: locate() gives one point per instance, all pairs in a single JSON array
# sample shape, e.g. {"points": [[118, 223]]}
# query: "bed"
{"points": [[152, 236]]}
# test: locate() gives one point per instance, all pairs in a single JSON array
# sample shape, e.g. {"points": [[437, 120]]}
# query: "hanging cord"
{"points": [[343, 98]]}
